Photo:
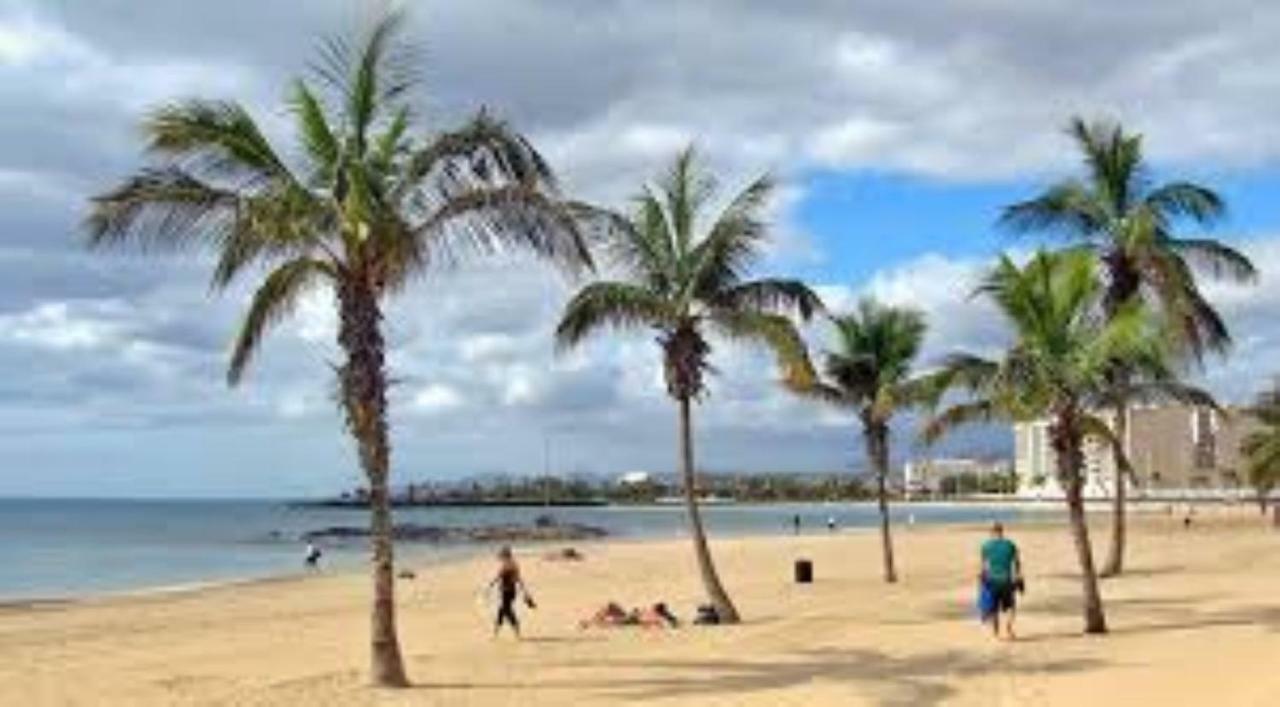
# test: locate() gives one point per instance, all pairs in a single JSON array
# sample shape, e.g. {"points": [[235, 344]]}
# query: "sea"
{"points": [[65, 549]]}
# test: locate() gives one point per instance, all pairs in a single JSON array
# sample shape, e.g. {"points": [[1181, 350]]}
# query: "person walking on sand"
{"points": [[1000, 577], [510, 584]]}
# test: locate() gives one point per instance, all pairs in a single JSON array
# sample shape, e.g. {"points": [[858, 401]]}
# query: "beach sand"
{"points": [[1195, 622]]}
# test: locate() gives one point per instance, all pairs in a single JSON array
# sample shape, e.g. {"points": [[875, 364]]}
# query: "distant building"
{"points": [[1176, 451], [635, 478], [927, 476]]}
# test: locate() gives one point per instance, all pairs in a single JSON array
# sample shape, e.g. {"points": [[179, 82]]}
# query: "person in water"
{"points": [[1001, 576], [510, 585]]}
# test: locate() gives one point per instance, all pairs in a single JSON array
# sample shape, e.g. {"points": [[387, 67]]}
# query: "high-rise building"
{"points": [[1175, 450]]}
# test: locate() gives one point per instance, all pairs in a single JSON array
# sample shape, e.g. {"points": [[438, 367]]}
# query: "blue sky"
{"points": [[896, 137], [862, 220]]}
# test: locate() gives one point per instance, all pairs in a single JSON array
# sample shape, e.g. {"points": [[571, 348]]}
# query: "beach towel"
{"points": [[986, 602]]}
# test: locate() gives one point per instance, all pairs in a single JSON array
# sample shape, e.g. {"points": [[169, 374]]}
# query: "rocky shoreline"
{"points": [[544, 529]]}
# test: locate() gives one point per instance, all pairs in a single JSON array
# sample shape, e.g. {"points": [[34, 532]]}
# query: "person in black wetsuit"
{"points": [[509, 584]]}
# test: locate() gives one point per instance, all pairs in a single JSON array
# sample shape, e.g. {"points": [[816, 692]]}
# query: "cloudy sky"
{"points": [[897, 132]]}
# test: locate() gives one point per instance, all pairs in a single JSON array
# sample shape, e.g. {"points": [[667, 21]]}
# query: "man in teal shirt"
{"points": [[1000, 575]]}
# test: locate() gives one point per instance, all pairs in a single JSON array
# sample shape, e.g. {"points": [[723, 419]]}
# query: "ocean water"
{"points": [[71, 548]]}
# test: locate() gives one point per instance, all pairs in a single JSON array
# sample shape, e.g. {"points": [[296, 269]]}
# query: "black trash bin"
{"points": [[804, 572]]}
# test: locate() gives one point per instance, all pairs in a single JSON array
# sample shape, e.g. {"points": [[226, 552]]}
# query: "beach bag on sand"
{"points": [[986, 602], [706, 616]]}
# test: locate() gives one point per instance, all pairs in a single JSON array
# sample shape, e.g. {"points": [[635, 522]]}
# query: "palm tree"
{"points": [[1261, 447], [1115, 212], [367, 201], [1060, 366], [867, 373], [684, 283]]}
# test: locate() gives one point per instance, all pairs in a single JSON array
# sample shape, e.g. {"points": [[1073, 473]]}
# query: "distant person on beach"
{"points": [[312, 556], [831, 524], [510, 585], [795, 523], [1000, 578]]}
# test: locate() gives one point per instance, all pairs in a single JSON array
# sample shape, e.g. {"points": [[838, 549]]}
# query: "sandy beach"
{"points": [[1196, 621]]}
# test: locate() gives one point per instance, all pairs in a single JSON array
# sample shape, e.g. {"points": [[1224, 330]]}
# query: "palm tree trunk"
{"points": [[877, 438], [1115, 554], [1069, 459], [710, 579], [363, 382]]}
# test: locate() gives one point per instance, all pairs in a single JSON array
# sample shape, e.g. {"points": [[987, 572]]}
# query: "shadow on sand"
{"points": [[890, 680]]}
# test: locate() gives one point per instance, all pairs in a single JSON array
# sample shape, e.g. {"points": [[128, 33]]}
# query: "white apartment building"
{"points": [[925, 476]]}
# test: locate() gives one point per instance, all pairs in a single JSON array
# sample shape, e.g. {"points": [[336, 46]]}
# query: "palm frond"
{"points": [[963, 371], [685, 190], [1221, 260], [1114, 161], [272, 302], [1199, 325], [734, 242], [956, 416], [776, 333], [820, 392], [499, 219], [1187, 200], [1190, 395], [391, 142], [1096, 427], [771, 295], [278, 223], [375, 82], [162, 209], [318, 141], [484, 151], [214, 139], [1066, 209], [618, 305], [634, 245]]}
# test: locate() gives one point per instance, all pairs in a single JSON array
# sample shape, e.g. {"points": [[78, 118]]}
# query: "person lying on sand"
{"points": [[567, 554], [612, 615]]}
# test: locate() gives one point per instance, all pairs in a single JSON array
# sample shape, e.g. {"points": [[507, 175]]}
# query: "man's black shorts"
{"points": [[1003, 594]]}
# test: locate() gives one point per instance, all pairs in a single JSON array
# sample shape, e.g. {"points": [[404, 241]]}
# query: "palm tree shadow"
{"points": [[1135, 573], [1257, 616], [584, 638], [892, 680]]}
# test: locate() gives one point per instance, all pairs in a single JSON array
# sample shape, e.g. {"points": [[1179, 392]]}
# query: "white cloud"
{"points": [[25, 40], [941, 288], [488, 347], [66, 326], [436, 398]]}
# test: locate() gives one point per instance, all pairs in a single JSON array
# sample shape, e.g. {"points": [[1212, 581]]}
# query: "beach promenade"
{"points": [[1196, 621]]}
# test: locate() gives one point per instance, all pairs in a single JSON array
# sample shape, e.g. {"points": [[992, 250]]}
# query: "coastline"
{"points": [[349, 559], [415, 556]]}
